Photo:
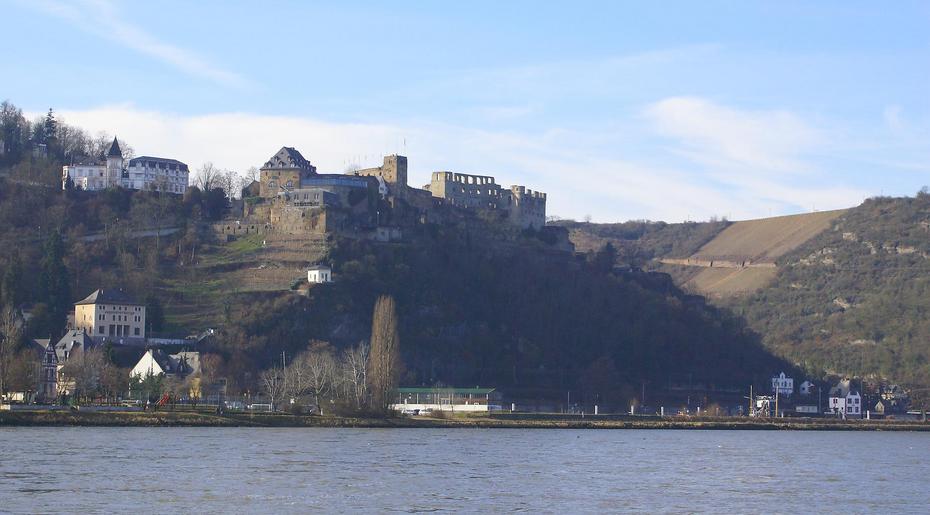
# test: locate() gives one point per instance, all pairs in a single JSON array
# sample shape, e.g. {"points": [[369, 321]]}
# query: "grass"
{"points": [[205, 419]]}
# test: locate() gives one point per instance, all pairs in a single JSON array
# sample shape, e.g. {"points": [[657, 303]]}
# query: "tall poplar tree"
{"points": [[384, 364], [54, 284]]}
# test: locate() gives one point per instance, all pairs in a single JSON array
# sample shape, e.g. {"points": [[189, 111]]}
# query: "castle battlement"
{"points": [[524, 207]]}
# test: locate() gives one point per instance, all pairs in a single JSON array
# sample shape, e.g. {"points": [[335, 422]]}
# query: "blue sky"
{"points": [[617, 110]]}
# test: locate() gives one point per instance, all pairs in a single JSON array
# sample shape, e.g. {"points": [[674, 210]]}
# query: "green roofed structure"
{"points": [[423, 400]]}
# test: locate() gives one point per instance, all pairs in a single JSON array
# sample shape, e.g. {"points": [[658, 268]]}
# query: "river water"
{"points": [[218, 470]]}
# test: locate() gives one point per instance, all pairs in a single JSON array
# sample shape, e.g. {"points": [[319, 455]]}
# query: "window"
{"points": [[100, 329], [136, 331]]}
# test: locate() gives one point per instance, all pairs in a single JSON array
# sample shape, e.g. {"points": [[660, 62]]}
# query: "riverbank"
{"points": [[206, 419]]}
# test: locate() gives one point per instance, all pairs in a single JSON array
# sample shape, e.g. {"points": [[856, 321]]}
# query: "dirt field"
{"points": [[755, 242], [766, 239]]}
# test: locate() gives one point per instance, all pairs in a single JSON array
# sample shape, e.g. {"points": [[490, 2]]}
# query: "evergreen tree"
{"points": [[11, 286], [54, 284], [50, 128], [154, 315]]}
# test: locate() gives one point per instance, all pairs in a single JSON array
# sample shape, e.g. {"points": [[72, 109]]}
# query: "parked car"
{"points": [[409, 412]]}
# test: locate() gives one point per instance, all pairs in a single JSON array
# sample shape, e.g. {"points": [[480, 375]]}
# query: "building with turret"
{"points": [[140, 173]]}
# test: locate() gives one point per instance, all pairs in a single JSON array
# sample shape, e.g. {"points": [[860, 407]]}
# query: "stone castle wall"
{"points": [[525, 208]]}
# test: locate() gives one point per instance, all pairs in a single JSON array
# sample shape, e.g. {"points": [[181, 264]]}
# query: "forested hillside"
{"points": [[852, 299], [855, 298]]}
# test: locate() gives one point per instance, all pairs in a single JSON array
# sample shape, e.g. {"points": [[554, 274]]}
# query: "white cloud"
{"points": [[579, 170], [102, 18], [758, 142]]}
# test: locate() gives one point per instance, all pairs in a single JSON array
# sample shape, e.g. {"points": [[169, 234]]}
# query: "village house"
{"points": [[54, 356], [782, 385], [156, 362], [110, 314], [318, 274], [806, 388], [845, 401]]}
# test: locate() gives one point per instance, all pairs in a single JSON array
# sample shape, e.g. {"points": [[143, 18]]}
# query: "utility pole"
{"points": [[751, 401]]}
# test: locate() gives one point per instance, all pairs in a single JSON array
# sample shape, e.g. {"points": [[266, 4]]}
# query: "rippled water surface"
{"points": [[212, 470]]}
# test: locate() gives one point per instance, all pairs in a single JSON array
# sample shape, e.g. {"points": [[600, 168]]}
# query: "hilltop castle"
{"points": [[292, 197]]}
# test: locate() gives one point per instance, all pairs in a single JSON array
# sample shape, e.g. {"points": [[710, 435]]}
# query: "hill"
{"points": [[744, 257], [841, 292], [854, 299], [478, 305]]}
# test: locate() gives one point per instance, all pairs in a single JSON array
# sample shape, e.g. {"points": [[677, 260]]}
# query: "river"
{"points": [[216, 470]]}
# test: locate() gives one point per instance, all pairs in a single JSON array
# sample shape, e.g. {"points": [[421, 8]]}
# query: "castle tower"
{"points": [[114, 165]]}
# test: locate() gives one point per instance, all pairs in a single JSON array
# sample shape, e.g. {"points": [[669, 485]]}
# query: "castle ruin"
{"points": [[293, 198]]}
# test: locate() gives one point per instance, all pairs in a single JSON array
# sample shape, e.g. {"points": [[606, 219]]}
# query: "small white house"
{"points": [[849, 405], [806, 388], [158, 362], [782, 385], [318, 274]]}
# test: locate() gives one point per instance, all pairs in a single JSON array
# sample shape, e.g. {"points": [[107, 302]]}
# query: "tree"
{"points": [[54, 286], [354, 373], [272, 384], [384, 364], [317, 367], [154, 315], [11, 284], [605, 258], [86, 369], [208, 177], [11, 327]]}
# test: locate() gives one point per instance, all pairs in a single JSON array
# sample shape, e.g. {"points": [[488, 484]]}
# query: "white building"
{"points": [[317, 274], [782, 385], [806, 388], [142, 173], [849, 405], [157, 174], [446, 399], [92, 175], [158, 362]]}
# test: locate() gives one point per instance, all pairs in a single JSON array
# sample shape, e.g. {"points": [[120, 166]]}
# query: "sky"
{"points": [[617, 110]]}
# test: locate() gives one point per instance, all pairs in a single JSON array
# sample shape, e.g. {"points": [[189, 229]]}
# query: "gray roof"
{"points": [[108, 296], [142, 159], [115, 150], [319, 267], [74, 342], [289, 158]]}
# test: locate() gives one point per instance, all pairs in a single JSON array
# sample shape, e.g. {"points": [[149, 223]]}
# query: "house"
{"points": [[845, 401], [806, 388], [54, 357], [140, 173], [156, 362], [156, 174], [318, 274], [445, 399], [782, 385], [890, 407], [110, 313]]}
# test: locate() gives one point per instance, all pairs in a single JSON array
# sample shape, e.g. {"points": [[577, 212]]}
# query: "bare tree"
{"points": [[86, 370], [321, 368], [354, 373], [11, 327], [272, 383], [208, 177], [384, 365]]}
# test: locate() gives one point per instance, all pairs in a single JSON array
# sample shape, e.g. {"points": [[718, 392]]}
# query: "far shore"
{"points": [[206, 419]]}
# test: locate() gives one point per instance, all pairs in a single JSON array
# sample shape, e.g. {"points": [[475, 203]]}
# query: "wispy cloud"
{"points": [[102, 18], [751, 141], [579, 170]]}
